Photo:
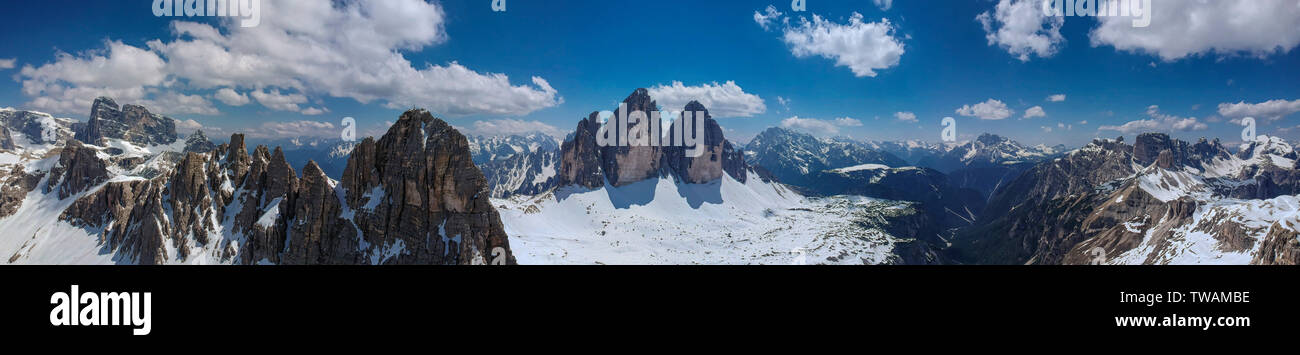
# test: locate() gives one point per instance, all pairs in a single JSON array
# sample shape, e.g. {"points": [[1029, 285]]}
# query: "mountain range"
{"points": [[123, 187]]}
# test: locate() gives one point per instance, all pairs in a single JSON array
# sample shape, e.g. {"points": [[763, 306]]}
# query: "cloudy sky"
{"points": [[868, 69]]}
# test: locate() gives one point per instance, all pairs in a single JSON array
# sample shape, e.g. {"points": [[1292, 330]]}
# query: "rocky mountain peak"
{"points": [[990, 139], [199, 143], [132, 123], [79, 168]]}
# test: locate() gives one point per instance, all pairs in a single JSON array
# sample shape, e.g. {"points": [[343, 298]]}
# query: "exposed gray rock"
{"points": [[132, 123]]}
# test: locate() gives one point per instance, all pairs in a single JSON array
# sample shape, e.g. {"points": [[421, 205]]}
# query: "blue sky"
{"points": [[591, 54]]}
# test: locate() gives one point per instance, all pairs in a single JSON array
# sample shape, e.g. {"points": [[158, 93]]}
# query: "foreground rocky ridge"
{"points": [[411, 197]]}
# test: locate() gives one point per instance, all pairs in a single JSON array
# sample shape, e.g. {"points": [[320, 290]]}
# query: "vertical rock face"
{"points": [[584, 163], [319, 235], [418, 197], [79, 168], [580, 156], [624, 165], [6, 140], [132, 123], [719, 155]]}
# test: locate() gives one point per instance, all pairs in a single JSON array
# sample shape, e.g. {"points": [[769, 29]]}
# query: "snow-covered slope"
{"points": [[659, 221]]}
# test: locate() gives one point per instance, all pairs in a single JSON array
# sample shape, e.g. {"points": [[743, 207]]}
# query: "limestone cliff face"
{"points": [[583, 162], [132, 123], [719, 155], [417, 190], [627, 164], [412, 197]]}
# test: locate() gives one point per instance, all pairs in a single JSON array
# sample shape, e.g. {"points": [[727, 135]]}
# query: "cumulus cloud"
{"points": [[847, 122], [767, 17], [723, 100], [72, 82], [988, 110], [1187, 28], [884, 4], [231, 97], [1035, 112], [811, 125], [906, 117], [1023, 29], [7, 63], [350, 49], [1159, 122], [1056, 98], [1271, 110], [863, 47], [274, 100], [507, 127], [303, 128]]}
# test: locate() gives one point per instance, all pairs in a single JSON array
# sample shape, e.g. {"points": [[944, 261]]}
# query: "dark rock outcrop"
{"points": [[583, 162], [199, 143], [580, 156], [79, 168], [624, 164], [418, 196], [132, 123], [718, 157]]}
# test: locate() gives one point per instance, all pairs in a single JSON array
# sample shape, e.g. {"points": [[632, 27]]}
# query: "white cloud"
{"points": [[847, 122], [302, 128], [863, 47], [1159, 122], [175, 103], [231, 97], [1046, 129], [1035, 112], [722, 100], [769, 15], [1187, 28], [8, 63], [811, 125], [1023, 29], [884, 4], [906, 117], [280, 102], [506, 127], [314, 111], [1056, 98], [988, 110], [71, 83], [1271, 110], [351, 49], [187, 126], [785, 103]]}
